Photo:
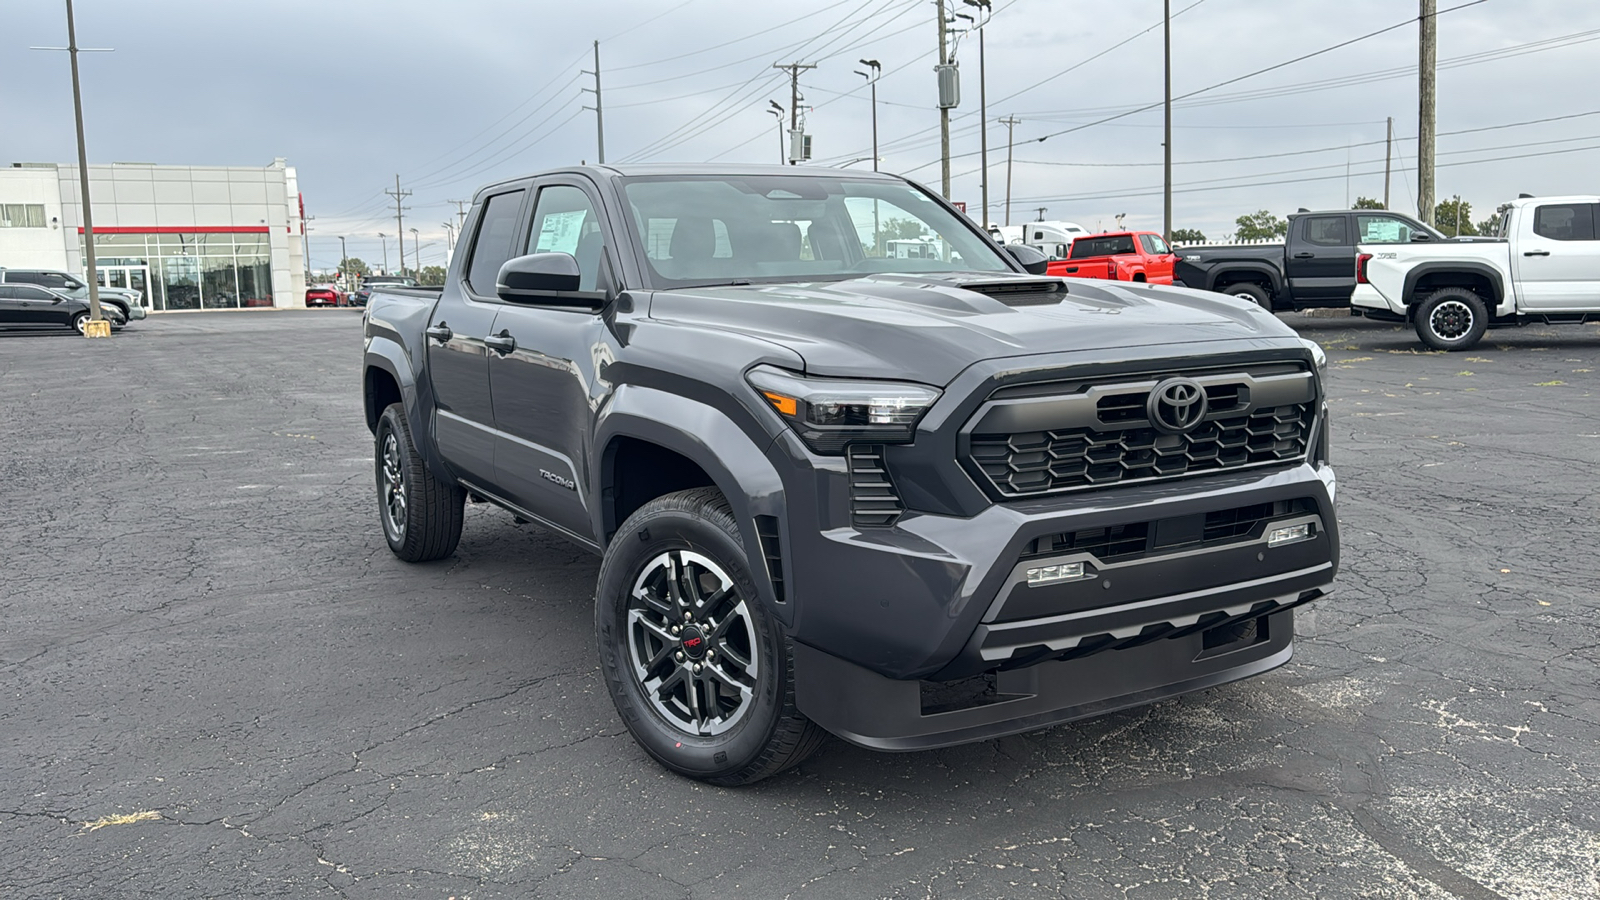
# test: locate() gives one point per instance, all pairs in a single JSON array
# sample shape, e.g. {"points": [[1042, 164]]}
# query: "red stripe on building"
{"points": [[183, 229]]}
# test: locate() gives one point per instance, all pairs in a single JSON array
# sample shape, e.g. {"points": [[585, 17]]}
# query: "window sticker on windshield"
{"points": [[559, 232], [1381, 231]]}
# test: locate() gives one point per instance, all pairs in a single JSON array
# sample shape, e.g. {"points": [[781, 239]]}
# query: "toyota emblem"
{"points": [[1176, 405]]}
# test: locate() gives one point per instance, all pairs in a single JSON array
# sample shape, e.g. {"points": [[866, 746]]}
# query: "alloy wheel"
{"points": [[1451, 320], [692, 644], [394, 487]]}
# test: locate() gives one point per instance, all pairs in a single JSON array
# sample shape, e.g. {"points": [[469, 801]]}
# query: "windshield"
{"points": [[720, 229]]}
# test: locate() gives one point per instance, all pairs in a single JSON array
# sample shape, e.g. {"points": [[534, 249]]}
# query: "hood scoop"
{"points": [[1021, 292]]}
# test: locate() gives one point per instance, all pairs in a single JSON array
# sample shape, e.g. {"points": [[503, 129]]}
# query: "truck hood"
{"points": [[928, 328]]}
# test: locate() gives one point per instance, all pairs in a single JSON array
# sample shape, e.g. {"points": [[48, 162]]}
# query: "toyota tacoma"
{"points": [[911, 502]]}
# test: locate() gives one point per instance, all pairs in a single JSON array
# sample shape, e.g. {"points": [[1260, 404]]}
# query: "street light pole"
{"points": [[778, 112], [344, 263], [877, 70], [385, 239], [1166, 143], [985, 7], [416, 256]]}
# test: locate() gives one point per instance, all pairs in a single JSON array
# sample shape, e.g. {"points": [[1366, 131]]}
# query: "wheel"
{"points": [[80, 322], [699, 670], [421, 514], [1451, 319], [1254, 292]]}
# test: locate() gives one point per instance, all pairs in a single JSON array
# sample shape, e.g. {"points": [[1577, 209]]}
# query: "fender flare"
{"points": [[386, 355], [708, 437], [1473, 267], [1274, 277]]}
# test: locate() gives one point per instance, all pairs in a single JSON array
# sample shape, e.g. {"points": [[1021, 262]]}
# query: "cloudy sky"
{"points": [[453, 95]]}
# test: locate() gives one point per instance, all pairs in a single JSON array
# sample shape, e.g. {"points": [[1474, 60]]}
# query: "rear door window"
{"points": [[496, 231], [1565, 221], [1327, 231]]}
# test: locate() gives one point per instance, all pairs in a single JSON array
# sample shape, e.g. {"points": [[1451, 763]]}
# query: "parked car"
{"points": [[1124, 256], [31, 306], [360, 296], [128, 303], [323, 295], [1315, 267], [911, 502], [1543, 266]]}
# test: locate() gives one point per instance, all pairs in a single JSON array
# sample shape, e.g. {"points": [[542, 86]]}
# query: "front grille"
{"points": [[873, 500], [1100, 435], [1120, 543]]}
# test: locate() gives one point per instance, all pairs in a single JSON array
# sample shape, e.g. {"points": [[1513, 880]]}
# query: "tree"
{"points": [[432, 275], [1188, 236], [354, 266], [1367, 203], [1447, 214], [901, 230], [1490, 226], [1261, 225]]}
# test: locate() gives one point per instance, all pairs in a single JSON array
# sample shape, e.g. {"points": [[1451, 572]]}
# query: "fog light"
{"points": [[1053, 574], [1289, 534]]}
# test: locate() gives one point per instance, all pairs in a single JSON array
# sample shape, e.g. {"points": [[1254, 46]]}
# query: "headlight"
{"points": [[829, 413], [1317, 355]]}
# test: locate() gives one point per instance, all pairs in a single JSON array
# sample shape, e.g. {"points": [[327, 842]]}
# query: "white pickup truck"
{"points": [[1543, 266]]}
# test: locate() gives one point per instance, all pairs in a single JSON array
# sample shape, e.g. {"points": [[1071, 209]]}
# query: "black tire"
{"points": [[420, 514], [639, 602], [79, 321], [1254, 292], [1451, 318]]}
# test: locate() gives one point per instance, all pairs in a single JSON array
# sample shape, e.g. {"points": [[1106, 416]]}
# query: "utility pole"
{"points": [[1388, 150], [400, 223], [795, 69], [1425, 96], [1010, 122], [1166, 143], [305, 243], [1043, 209], [599, 113], [98, 329], [944, 111], [461, 211]]}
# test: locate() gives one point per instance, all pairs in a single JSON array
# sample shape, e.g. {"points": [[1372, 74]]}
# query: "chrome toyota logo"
{"points": [[1176, 405]]}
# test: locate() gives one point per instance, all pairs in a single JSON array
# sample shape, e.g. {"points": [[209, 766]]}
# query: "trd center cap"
{"points": [[693, 641]]}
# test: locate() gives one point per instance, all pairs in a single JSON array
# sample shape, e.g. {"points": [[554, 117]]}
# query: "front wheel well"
{"points": [[636, 471], [379, 390]]}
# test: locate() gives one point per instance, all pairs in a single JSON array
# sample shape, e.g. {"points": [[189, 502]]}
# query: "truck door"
{"points": [[1321, 263], [457, 355], [1557, 258], [545, 369], [1158, 265]]}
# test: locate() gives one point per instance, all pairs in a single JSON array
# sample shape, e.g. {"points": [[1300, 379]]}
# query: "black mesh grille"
{"points": [[1040, 462], [873, 500]]}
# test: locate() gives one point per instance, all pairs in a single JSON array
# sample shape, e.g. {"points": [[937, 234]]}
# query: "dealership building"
{"points": [[186, 237]]}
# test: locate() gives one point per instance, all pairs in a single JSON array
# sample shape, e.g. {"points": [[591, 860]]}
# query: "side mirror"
{"points": [[1032, 261], [550, 278], [1420, 237]]}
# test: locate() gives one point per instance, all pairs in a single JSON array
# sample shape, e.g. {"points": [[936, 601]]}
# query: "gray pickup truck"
{"points": [[910, 502]]}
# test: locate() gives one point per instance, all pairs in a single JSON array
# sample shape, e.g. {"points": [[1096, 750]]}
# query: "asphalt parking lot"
{"points": [[218, 682]]}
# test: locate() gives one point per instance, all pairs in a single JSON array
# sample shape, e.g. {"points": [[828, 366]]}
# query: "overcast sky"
{"points": [[453, 95]]}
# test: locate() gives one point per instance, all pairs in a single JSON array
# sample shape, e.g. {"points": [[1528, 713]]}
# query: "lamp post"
{"points": [[416, 256], [778, 112], [449, 241], [385, 239], [986, 10], [344, 264], [877, 70]]}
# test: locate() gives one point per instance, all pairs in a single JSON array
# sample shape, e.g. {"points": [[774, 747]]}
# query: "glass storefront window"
{"points": [[196, 270], [255, 280], [219, 287]]}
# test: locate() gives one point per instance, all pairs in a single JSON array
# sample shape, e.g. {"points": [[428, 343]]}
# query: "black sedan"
{"points": [[31, 306]]}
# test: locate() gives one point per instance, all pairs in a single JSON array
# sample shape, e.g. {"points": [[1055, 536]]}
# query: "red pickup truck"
{"points": [[1122, 256]]}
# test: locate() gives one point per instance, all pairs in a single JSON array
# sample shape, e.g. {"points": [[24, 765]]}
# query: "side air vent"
{"points": [[873, 500], [772, 553]]}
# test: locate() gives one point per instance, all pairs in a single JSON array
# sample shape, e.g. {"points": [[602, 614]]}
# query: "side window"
{"points": [[1157, 245], [29, 292], [496, 228], [1327, 231], [564, 221], [26, 277], [7, 292], [1565, 222], [1382, 230]]}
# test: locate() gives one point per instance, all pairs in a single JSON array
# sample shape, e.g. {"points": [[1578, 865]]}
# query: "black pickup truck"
{"points": [[1315, 267], [911, 502]]}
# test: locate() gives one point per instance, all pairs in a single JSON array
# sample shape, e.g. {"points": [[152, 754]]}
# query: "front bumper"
{"points": [[889, 618]]}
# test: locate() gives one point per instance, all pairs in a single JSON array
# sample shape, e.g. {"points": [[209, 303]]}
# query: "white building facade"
{"points": [[186, 237]]}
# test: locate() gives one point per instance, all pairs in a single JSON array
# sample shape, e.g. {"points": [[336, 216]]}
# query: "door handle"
{"points": [[1537, 253], [501, 343], [441, 333], [1305, 256]]}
